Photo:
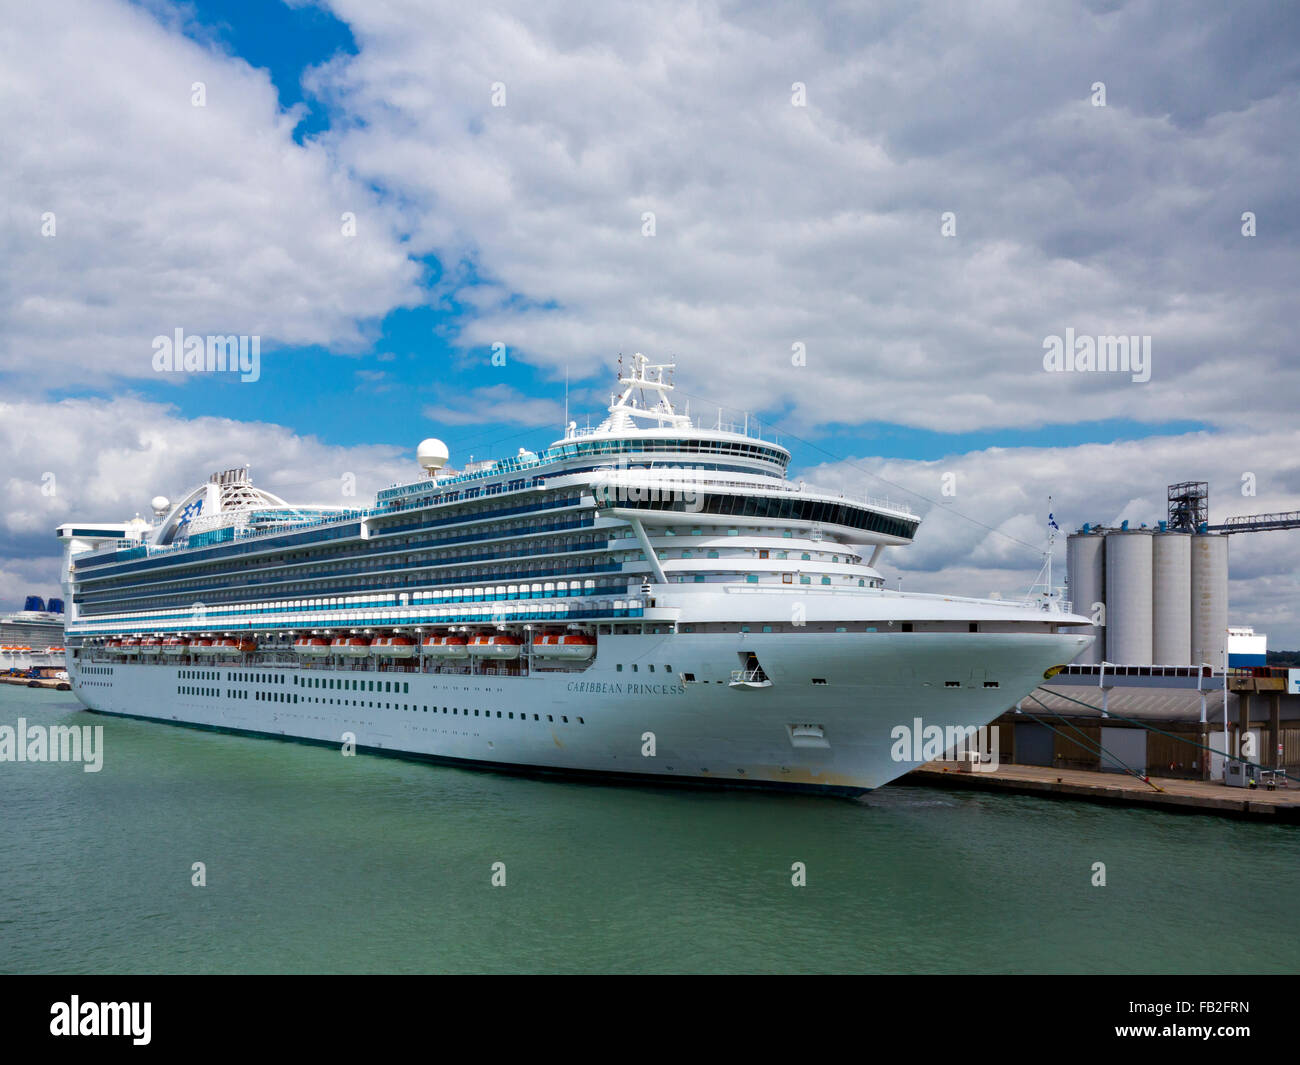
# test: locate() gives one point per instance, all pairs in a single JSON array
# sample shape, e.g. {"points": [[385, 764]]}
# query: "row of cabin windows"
{"points": [[348, 684], [455, 710], [649, 667], [255, 678]]}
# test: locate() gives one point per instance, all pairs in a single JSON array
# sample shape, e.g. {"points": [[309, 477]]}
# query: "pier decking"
{"points": [[1181, 796]]}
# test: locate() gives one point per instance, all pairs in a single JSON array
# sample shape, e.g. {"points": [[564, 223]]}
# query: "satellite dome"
{"points": [[432, 454], [160, 503]]}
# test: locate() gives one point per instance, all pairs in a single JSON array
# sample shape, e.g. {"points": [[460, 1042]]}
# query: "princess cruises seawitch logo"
{"points": [[974, 748]]}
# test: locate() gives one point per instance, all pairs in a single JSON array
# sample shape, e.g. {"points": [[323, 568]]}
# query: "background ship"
{"points": [[33, 636]]}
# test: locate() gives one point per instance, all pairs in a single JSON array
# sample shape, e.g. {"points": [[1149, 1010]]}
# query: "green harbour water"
{"points": [[316, 862]]}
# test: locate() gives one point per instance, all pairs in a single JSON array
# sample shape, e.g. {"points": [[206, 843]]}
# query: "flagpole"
{"points": [[1051, 543]]}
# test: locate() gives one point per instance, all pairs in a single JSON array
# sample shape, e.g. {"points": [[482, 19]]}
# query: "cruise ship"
{"points": [[646, 600], [33, 636]]}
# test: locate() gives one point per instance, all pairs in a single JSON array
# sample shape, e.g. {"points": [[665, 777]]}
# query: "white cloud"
{"points": [[777, 224], [105, 460], [1008, 489], [166, 215]]}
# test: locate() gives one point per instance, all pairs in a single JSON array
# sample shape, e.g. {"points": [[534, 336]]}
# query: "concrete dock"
{"points": [[1177, 796], [39, 682]]}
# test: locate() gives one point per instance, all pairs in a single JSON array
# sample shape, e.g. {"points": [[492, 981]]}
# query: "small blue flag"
{"points": [[1051, 523]]}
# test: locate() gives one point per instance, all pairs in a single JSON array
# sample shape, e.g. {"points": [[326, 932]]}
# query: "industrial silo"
{"points": [[1128, 596], [1085, 566], [1209, 604], [1171, 599]]}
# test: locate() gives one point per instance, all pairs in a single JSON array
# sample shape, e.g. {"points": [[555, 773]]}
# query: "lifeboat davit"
{"points": [[175, 645], [499, 646], [350, 646], [312, 646], [574, 646], [446, 646], [150, 645], [393, 646]]}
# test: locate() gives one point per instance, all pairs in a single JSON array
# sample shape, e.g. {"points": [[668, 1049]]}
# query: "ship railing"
{"points": [[668, 477], [813, 589]]}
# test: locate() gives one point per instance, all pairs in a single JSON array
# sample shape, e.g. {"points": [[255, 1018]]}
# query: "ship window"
{"points": [[787, 578], [974, 626], [819, 680], [762, 554], [826, 580], [619, 668], [907, 626], [668, 669]]}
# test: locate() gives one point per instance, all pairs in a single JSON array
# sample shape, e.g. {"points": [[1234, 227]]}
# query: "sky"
{"points": [[862, 224]]}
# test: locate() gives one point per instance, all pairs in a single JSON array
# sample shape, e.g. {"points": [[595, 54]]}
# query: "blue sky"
{"points": [[377, 395]]}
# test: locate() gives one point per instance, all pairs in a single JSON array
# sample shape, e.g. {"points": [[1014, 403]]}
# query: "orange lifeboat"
{"points": [[203, 646], [150, 645], [446, 646], [311, 646], [175, 645], [571, 646], [393, 646], [350, 646], [113, 647], [130, 646], [246, 645], [498, 646]]}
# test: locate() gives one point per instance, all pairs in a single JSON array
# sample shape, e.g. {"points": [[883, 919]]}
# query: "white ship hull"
{"points": [[601, 721]]}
